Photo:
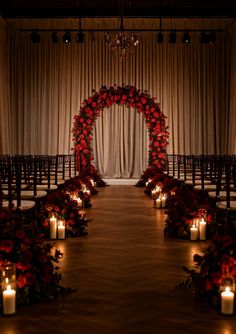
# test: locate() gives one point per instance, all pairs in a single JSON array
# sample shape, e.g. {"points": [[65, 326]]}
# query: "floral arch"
{"points": [[129, 96]]}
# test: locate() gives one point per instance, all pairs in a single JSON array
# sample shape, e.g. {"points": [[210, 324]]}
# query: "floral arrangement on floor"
{"points": [[149, 174], [215, 268], [183, 207], [63, 207], [167, 184], [81, 187], [131, 97], [37, 272]]}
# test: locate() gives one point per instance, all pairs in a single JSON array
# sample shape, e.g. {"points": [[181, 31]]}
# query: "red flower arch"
{"points": [[131, 97]]}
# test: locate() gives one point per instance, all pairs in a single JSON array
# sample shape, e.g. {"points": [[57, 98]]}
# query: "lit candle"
{"points": [[227, 301], [53, 227], [88, 192], [61, 230], [153, 192], [9, 301], [158, 203], [193, 233], [79, 201], [202, 230], [163, 201]]}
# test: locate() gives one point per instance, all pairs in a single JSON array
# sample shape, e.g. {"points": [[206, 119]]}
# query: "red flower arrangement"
{"points": [[216, 268], [37, 272], [125, 95], [185, 205], [63, 207]]}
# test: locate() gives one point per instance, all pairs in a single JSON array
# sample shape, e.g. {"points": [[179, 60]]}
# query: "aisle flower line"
{"points": [[25, 246], [214, 270]]}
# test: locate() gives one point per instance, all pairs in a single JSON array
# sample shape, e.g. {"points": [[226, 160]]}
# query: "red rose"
{"points": [[227, 241], [156, 144], [30, 279], [81, 120], [207, 285], [21, 281], [85, 132], [216, 278], [124, 97], [20, 234], [6, 245], [89, 121], [94, 104], [144, 100], [86, 151], [156, 114], [84, 125], [23, 265], [161, 155]]}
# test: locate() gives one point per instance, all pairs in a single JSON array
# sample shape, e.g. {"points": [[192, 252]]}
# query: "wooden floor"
{"points": [[124, 272]]}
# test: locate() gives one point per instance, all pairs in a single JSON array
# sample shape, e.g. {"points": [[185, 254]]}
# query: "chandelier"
{"points": [[122, 42]]}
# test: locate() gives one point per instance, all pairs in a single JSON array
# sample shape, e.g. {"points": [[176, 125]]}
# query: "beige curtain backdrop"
{"points": [[47, 82], [4, 90]]}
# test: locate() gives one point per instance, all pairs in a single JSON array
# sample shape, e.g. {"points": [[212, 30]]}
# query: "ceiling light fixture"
{"points": [[35, 37], [67, 38], [122, 42], [172, 37], [186, 38], [54, 37]]}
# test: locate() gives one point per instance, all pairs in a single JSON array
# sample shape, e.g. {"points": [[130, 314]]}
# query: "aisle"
{"points": [[124, 272]]}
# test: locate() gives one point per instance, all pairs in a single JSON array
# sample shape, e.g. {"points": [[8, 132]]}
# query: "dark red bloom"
{"points": [[6, 246]]}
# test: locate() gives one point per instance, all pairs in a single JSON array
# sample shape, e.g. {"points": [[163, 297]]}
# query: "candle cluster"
{"points": [[57, 228], [160, 202], [198, 230]]}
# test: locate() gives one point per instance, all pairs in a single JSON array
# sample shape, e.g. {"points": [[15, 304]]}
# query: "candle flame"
{"points": [[9, 287], [227, 289], [7, 279]]}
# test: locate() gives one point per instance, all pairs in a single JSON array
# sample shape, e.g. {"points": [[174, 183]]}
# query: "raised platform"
{"points": [[127, 182]]}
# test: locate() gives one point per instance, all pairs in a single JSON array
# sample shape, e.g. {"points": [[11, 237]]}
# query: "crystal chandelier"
{"points": [[122, 42]]}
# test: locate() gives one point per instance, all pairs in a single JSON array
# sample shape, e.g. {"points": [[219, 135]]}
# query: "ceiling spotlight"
{"points": [[54, 37], [80, 37], [186, 38], [160, 37], [67, 38], [212, 38], [172, 37], [35, 37], [204, 38]]}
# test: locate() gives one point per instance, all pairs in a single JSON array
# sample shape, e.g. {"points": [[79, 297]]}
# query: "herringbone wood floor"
{"points": [[124, 272]]}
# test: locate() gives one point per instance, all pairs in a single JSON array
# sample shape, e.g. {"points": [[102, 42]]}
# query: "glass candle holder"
{"points": [[8, 276]]}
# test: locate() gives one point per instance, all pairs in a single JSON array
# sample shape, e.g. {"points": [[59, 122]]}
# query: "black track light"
{"points": [[186, 38], [172, 37], [67, 38], [54, 37], [204, 38], [80, 37], [35, 37], [212, 38], [160, 37]]}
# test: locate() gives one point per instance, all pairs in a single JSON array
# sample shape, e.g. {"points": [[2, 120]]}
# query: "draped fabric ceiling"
{"points": [[42, 87]]}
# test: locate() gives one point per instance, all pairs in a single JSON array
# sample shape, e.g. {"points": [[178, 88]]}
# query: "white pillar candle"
{"points": [[61, 230], [193, 233], [53, 227], [227, 301], [79, 201], [158, 203], [163, 201], [202, 230], [9, 301]]}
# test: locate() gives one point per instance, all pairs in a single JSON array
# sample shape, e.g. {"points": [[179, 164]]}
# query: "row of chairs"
{"points": [[27, 179], [215, 174]]}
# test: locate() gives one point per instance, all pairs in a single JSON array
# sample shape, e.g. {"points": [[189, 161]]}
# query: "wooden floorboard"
{"points": [[124, 272]]}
